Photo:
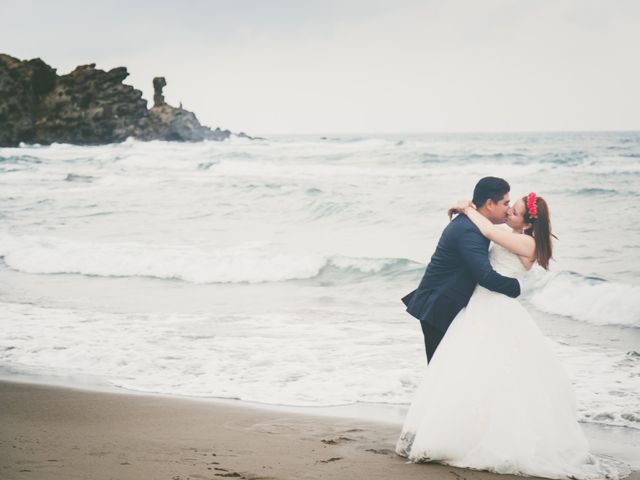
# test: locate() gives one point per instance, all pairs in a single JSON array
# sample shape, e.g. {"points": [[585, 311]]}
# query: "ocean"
{"points": [[271, 271]]}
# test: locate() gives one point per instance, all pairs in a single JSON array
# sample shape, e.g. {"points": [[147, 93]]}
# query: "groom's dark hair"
{"points": [[493, 188]]}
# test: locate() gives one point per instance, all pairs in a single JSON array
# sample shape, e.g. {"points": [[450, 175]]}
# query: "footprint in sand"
{"points": [[337, 440], [380, 451], [332, 459]]}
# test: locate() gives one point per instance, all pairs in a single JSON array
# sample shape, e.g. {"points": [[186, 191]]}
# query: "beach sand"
{"points": [[50, 432]]}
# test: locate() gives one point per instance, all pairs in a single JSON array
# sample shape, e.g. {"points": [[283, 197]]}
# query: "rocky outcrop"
{"points": [[88, 106], [158, 84]]}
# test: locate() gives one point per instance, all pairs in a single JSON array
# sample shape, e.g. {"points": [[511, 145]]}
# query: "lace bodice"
{"points": [[504, 262]]}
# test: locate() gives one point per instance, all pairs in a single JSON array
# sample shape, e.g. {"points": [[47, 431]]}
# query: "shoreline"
{"points": [[385, 413], [68, 432]]}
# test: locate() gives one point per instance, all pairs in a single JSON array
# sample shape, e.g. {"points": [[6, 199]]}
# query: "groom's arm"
{"points": [[472, 248]]}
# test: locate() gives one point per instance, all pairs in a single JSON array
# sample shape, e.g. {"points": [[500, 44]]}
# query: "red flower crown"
{"points": [[531, 205]]}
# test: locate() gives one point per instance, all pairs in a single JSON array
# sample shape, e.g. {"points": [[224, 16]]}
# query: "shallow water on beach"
{"points": [[271, 271]]}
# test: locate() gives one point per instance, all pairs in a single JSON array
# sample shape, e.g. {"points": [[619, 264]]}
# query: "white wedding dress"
{"points": [[495, 396]]}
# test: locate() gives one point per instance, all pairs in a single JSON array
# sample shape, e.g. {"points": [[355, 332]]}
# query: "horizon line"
{"points": [[451, 132]]}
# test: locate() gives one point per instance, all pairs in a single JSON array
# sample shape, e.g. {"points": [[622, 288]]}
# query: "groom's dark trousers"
{"points": [[460, 262], [432, 337]]}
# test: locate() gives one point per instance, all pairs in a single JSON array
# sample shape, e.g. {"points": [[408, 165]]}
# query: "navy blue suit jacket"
{"points": [[460, 262]]}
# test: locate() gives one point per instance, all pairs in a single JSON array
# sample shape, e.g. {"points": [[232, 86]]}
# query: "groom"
{"points": [[461, 261]]}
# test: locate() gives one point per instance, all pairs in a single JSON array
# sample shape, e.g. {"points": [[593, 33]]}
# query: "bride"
{"points": [[495, 396]]}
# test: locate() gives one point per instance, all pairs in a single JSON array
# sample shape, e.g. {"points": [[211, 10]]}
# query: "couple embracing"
{"points": [[494, 396]]}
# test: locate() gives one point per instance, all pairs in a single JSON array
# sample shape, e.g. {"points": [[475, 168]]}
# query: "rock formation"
{"points": [[88, 106], [158, 84]]}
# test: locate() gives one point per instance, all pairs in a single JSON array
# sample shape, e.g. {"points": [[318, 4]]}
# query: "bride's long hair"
{"points": [[540, 231]]}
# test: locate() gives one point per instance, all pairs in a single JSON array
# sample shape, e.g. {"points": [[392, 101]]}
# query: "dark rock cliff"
{"points": [[88, 106]]}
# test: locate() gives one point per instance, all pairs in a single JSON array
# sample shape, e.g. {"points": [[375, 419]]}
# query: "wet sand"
{"points": [[50, 432]]}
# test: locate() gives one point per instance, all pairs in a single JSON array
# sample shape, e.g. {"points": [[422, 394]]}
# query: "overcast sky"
{"points": [[356, 66]]}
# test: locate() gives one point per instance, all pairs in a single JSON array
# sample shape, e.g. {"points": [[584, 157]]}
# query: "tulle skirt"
{"points": [[495, 397]]}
